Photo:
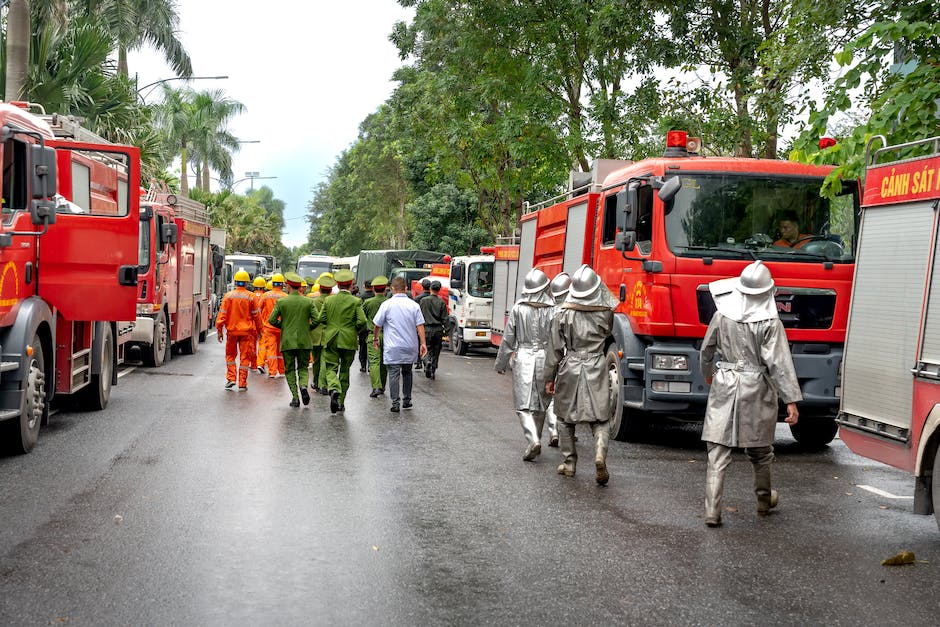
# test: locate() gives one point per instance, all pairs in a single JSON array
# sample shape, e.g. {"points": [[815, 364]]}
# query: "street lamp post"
{"points": [[143, 97], [250, 176]]}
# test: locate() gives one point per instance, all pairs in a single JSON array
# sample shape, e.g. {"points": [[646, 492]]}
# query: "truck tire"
{"points": [[22, 435], [625, 424], [456, 342], [935, 486], [813, 431], [190, 345], [97, 393], [157, 352]]}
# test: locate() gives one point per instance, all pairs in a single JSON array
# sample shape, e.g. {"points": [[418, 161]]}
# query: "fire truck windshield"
{"points": [[761, 216], [480, 279]]}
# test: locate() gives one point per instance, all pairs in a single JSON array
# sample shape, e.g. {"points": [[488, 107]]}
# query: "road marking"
{"points": [[887, 495], [126, 371]]}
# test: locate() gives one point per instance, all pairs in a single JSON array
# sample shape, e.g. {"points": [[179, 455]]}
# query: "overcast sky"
{"points": [[307, 72]]}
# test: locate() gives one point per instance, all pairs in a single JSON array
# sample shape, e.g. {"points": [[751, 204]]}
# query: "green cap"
{"points": [[344, 276], [293, 279], [380, 281], [326, 281], [310, 280]]}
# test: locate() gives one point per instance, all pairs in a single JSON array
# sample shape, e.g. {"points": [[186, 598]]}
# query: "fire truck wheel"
{"points": [[158, 352], [814, 431], [624, 424], [456, 342], [190, 345], [97, 393], [23, 433], [935, 487]]}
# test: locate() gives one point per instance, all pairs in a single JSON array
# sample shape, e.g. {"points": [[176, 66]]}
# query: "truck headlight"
{"points": [[670, 362]]}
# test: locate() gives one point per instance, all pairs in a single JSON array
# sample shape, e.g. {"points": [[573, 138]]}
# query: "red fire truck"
{"points": [[69, 269], [658, 231], [174, 300], [891, 372]]}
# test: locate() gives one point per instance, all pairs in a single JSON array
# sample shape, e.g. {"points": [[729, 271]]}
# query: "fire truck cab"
{"points": [[68, 251], [471, 301], [890, 407], [660, 230]]}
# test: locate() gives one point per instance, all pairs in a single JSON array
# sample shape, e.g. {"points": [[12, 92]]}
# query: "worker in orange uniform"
{"points": [[270, 334], [238, 317], [260, 287]]}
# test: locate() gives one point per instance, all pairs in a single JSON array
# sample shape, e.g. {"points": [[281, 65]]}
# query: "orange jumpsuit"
{"points": [[260, 352], [238, 316], [271, 335]]}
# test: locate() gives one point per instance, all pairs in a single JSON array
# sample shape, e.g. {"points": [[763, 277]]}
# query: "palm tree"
{"points": [[17, 49]]}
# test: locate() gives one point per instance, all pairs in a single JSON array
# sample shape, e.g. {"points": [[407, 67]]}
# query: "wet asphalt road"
{"points": [[186, 504]]}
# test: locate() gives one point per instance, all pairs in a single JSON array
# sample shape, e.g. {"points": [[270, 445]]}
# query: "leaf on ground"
{"points": [[731, 509], [904, 557], [882, 507]]}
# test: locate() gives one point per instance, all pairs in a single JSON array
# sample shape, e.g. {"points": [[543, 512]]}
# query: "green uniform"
{"points": [[343, 316], [318, 374], [378, 372], [293, 315]]}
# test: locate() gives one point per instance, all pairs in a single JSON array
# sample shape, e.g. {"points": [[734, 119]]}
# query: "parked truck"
{"points": [[315, 265], [890, 407], [174, 300], [69, 253], [409, 264], [471, 301], [254, 265], [658, 231]]}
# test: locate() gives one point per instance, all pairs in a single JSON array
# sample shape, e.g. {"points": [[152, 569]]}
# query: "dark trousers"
{"points": [[403, 373], [434, 336], [363, 352]]}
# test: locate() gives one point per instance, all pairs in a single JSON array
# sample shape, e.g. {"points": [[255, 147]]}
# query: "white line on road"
{"points": [[127, 370], [887, 495]]}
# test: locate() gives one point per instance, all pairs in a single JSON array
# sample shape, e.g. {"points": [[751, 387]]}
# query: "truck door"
{"points": [[88, 258]]}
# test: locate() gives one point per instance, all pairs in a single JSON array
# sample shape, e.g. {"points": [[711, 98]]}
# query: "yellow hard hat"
{"points": [[325, 274], [259, 281], [269, 285], [303, 284], [277, 278], [242, 277]]}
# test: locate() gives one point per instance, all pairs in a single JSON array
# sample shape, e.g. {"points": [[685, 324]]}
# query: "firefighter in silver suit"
{"points": [[523, 349], [746, 360], [577, 368], [559, 289]]}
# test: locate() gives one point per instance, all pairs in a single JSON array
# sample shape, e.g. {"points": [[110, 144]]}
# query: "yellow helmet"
{"points": [[269, 286], [278, 278], [303, 284], [258, 282], [242, 277]]}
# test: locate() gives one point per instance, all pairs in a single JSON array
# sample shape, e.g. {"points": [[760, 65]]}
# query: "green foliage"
{"points": [[445, 219], [251, 222], [891, 72]]}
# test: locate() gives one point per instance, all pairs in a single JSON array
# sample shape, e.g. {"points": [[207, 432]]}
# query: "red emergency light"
{"points": [[487, 250], [826, 142], [677, 139]]}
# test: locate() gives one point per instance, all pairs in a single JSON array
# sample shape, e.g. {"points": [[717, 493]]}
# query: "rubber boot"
{"points": [[539, 423], [530, 430], [601, 432], [569, 450], [552, 421], [767, 497], [718, 459]]}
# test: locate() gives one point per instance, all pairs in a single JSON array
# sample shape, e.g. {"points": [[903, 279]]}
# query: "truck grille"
{"points": [[799, 307]]}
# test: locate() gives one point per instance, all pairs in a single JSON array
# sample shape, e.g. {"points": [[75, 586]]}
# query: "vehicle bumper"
{"points": [[476, 335], [143, 330]]}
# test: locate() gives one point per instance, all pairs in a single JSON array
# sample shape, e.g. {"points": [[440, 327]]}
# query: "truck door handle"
{"points": [[127, 275]]}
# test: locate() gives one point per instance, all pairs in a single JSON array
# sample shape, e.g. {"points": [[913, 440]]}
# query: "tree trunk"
{"points": [[18, 36], [205, 175], [184, 176], [122, 60]]}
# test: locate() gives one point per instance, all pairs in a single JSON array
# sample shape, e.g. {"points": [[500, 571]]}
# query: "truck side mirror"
{"points": [[625, 241], [169, 234], [628, 200], [43, 171], [670, 188]]}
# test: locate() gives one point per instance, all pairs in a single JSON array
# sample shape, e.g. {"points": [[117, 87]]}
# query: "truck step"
{"points": [[9, 414], [7, 366]]}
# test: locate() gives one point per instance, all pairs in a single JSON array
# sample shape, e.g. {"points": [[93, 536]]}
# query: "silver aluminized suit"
{"points": [[523, 349], [755, 367], [577, 363]]}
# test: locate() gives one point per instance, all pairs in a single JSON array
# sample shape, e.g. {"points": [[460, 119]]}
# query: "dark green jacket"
{"points": [[343, 316], [293, 315], [371, 307], [316, 333]]}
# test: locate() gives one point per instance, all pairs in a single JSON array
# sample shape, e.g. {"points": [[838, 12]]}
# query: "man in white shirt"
{"points": [[400, 322]]}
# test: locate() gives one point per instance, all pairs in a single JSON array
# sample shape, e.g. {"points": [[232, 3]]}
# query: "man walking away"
{"points": [[559, 289], [366, 294], [434, 310], [343, 316], [325, 285], [238, 315], [577, 368], [378, 372], [755, 368], [523, 346], [400, 324], [425, 293], [293, 315], [271, 336]]}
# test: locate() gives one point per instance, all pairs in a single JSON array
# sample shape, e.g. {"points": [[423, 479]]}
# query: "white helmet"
{"points": [[584, 282], [560, 284], [755, 279]]}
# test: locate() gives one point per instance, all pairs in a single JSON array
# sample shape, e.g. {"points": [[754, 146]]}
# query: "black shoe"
{"points": [[305, 396], [334, 401], [375, 393], [362, 369], [261, 370], [428, 373], [294, 402], [324, 392], [407, 403], [395, 408], [434, 374], [342, 407], [229, 385]]}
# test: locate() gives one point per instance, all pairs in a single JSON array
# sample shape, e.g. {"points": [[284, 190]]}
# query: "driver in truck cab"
{"points": [[790, 236]]}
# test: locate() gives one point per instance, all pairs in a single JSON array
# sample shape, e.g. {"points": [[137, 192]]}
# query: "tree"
{"points": [[892, 75], [17, 49], [445, 219]]}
